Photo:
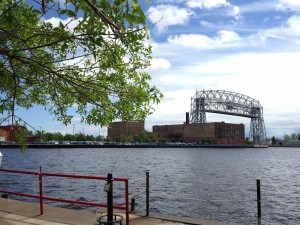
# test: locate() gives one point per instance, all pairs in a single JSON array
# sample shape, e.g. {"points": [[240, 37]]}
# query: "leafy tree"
{"points": [[99, 138], [294, 137], [108, 139], [90, 138], [68, 137], [40, 134], [142, 137], [92, 59], [152, 138], [80, 137], [123, 138], [247, 141], [286, 137], [273, 140], [57, 136]]}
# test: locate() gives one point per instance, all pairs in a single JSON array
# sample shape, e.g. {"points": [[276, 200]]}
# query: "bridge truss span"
{"points": [[229, 103]]}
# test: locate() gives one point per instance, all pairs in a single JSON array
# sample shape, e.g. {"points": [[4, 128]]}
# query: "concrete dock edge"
{"points": [[13, 212]]}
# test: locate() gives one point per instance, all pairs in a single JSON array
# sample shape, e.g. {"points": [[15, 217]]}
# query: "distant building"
{"points": [[292, 143], [215, 133], [118, 129], [7, 134]]}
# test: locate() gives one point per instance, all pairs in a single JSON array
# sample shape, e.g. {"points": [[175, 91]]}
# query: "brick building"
{"points": [[118, 129], [215, 133], [7, 134]]}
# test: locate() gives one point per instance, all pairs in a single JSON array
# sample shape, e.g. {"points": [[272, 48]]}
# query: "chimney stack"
{"points": [[187, 118]]}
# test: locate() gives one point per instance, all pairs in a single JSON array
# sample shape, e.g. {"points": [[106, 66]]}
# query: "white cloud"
{"points": [[294, 26], [168, 15], [71, 22], [206, 24], [271, 78], [222, 39], [159, 65], [207, 3], [288, 5], [289, 31], [235, 12]]}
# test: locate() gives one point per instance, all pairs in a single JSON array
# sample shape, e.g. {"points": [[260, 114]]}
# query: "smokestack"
{"points": [[187, 118]]}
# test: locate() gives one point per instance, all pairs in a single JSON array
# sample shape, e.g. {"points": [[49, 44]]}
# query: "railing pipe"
{"points": [[20, 194], [19, 171], [41, 197], [75, 176]]}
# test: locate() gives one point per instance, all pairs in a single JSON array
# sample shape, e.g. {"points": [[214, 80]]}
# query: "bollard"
{"points": [[110, 199], [4, 196], [258, 201], [147, 192], [132, 208]]}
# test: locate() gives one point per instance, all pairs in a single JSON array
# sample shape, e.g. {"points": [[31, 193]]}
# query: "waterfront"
{"points": [[216, 184]]}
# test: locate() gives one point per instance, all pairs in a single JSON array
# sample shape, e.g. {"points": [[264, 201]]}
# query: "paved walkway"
{"points": [[14, 212]]}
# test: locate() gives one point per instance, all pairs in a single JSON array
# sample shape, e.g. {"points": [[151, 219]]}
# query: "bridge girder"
{"points": [[229, 103]]}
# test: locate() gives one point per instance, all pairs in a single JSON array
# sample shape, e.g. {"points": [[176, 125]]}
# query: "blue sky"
{"points": [[248, 47]]}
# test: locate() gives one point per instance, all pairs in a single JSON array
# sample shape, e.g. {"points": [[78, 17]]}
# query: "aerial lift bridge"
{"points": [[229, 103]]}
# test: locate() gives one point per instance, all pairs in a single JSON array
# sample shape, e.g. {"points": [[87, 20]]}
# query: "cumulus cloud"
{"points": [[159, 65], [233, 11], [293, 26], [168, 15], [288, 5], [223, 39], [207, 3]]}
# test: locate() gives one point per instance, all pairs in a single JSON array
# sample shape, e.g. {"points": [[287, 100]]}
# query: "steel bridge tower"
{"points": [[229, 103]]}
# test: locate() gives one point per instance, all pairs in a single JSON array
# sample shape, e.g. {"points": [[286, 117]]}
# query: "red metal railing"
{"points": [[41, 197]]}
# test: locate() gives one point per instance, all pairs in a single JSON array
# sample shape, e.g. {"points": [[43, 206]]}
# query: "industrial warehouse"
{"points": [[213, 133], [196, 129]]}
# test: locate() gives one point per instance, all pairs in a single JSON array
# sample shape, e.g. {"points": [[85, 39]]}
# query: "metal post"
{"points": [[147, 192], [41, 192], [132, 208], [110, 200], [4, 196], [127, 201], [258, 201]]}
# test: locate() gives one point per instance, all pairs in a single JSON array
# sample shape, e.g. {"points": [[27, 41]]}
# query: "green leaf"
{"points": [[60, 68], [135, 3]]}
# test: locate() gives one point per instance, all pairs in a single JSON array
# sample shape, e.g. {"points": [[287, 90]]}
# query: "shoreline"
{"points": [[124, 146]]}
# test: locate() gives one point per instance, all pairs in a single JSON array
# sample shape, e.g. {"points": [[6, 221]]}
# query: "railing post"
{"points": [[127, 201], [110, 199], [147, 192], [41, 192], [258, 201]]}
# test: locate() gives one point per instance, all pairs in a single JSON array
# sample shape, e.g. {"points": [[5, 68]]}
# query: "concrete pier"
{"points": [[14, 212]]}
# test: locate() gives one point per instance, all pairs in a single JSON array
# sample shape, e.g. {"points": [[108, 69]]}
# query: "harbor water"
{"points": [[214, 184]]}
